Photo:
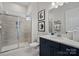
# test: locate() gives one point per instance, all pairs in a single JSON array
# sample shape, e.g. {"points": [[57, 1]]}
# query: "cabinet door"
{"points": [[54, 48], [68, 50], [44, 48], [53, 51]]}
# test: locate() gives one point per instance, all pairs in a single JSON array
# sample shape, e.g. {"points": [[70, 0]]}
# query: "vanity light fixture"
{"points": [[57, 4]]}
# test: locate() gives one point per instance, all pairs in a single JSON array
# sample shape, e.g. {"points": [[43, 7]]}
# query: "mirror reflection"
{"points": [[64, 19]]}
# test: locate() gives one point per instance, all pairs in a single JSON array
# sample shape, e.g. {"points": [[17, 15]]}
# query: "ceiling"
{"points": [[65, 7], [24, 3]]}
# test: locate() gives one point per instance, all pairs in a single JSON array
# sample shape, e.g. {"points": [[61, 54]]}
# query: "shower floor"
{"points": [[14, 46], [25, 51]]}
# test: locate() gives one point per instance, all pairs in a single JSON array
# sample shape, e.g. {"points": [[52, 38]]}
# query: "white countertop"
{"points": [[62, 40]]}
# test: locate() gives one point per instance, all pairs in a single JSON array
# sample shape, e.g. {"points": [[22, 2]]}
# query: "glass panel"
{"points": [[9, 33], [0, 31], [15, 32], [25, 31]]}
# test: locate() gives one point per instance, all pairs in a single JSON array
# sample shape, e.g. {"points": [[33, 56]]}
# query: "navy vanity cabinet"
{"points": [[47, 48], [51, 48]]}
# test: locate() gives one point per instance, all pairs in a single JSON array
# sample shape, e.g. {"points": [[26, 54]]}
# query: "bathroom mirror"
{"points": [[68, 14], [56, 15]]}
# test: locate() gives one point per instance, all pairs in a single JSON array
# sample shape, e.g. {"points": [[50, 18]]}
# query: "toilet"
{"points": [[35, 47], [34, 44]]}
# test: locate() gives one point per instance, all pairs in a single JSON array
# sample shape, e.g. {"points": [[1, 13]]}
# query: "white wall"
{"points": [[33, 13], [41, 6], [35, 8]]}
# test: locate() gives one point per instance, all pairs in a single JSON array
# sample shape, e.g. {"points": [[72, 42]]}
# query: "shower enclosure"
{"points": [[15, 32]]}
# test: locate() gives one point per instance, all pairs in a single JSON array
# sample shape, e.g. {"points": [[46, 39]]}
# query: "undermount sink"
{"points": [[59, 36]]}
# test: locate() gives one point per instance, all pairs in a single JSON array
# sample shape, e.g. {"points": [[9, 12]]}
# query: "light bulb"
{"points": [[53, 3], [60, 3], [56, 6]]}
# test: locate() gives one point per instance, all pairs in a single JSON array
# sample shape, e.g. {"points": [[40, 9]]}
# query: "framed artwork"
{"points": [[41, 15], [41, 26]]}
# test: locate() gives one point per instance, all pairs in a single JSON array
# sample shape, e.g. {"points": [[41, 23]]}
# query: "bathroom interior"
{"points": [[39, 28]]}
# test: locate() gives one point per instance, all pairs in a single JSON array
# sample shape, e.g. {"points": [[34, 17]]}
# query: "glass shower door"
{"points": [[25, 32], [0, 32], [9, 33], [15, 32]]}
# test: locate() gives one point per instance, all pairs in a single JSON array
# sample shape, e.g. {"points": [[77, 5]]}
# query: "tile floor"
{"points": [[26, 51]]}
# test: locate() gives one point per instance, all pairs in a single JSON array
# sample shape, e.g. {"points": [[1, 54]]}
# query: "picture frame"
{"points": [[41, 15], [41, 26]]}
